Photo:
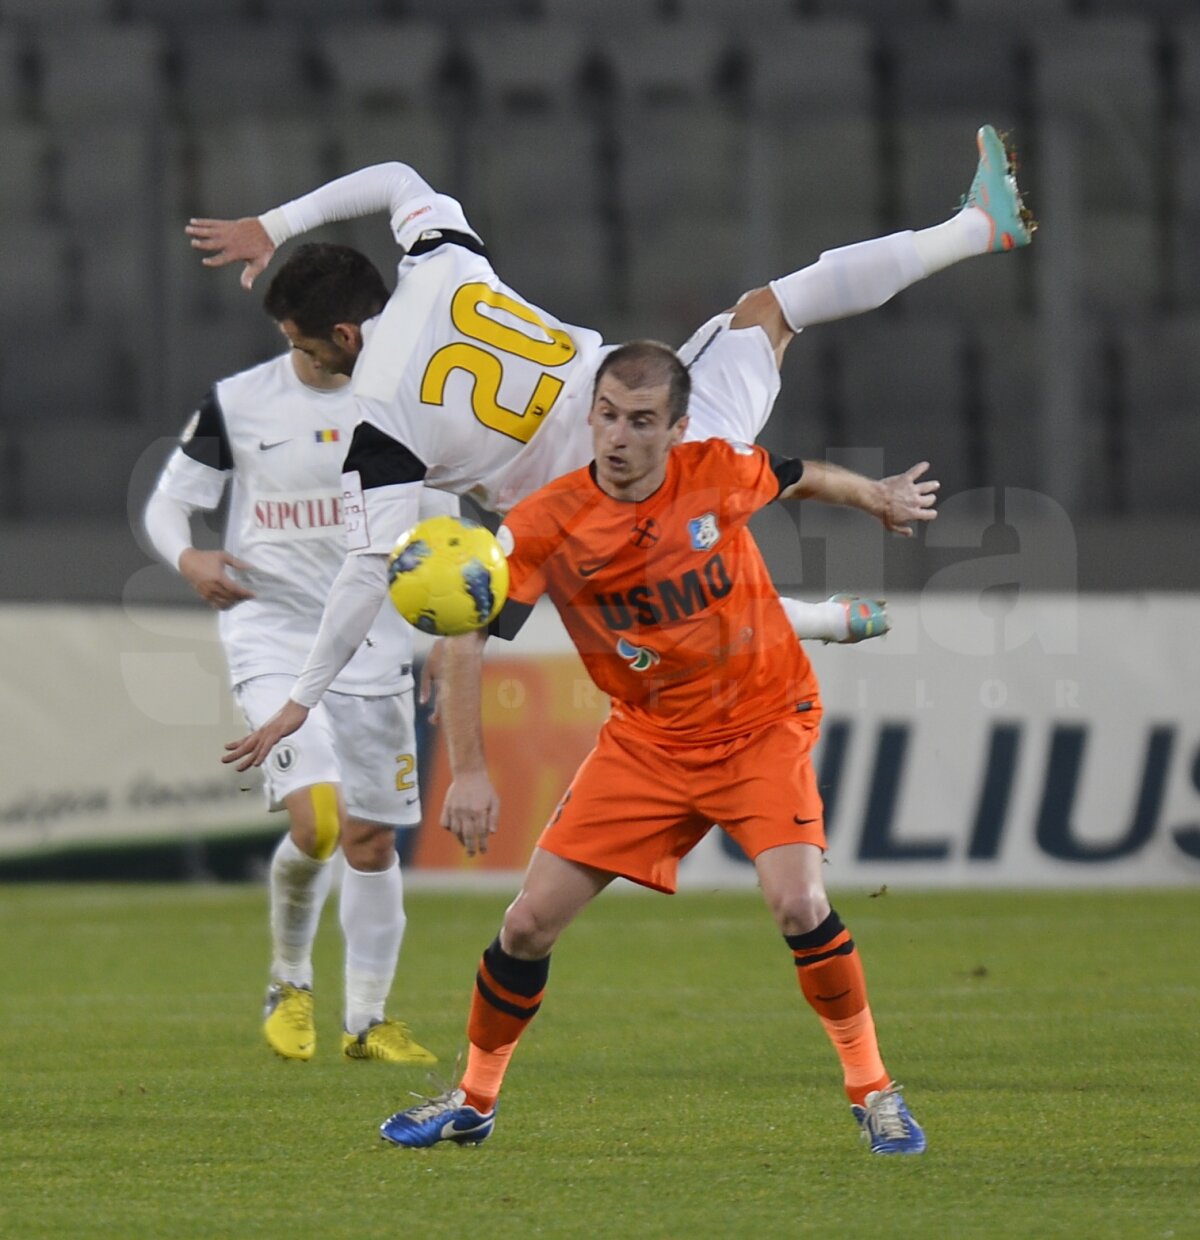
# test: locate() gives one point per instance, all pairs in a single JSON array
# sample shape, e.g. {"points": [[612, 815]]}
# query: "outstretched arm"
{"points": [[897, 500], [253, 239]]}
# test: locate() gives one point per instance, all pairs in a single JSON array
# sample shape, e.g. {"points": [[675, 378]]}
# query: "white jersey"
{"points": [[465, 385], [469, 388], [279, 444]]}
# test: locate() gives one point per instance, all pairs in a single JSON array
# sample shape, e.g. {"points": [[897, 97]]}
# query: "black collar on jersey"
{"points": [[447, 236]]}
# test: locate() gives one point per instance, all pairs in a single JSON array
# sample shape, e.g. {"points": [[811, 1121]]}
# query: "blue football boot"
{"points": [[887, 1123], [444, 1118]]}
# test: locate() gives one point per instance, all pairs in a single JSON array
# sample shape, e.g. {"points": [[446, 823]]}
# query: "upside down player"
{"points": [[715, 710], [466, 387]]}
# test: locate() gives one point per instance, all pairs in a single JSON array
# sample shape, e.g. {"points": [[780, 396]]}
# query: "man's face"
{"points": [[631, 438], [335, 355]]}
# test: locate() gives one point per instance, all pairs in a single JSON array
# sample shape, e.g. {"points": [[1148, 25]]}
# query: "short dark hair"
{"points": [[648, 363], [322, 285]]}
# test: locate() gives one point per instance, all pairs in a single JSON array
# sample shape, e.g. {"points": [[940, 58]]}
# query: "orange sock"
{"points": [[485, 1072], [831, 977], [508, 993]]}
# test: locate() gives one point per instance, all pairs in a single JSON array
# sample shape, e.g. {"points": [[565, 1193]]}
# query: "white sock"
{"points": [[962, 236], [856, 278], [827, 621], [849, 280], [373, 921], [298, 885]]}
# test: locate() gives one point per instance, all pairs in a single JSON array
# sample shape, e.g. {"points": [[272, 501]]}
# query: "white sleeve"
{"points": [[168, 526], [350, 610], [183, 486], [411, 203]]}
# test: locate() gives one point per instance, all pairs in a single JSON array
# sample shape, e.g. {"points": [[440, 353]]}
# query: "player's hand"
{"points": [[431, 678], [252, 750], [233, 241], [204, 571], [471, 811], [906, 500]]}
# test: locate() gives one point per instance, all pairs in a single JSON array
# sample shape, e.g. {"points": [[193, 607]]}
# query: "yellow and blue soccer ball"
{"points": [[448, 576]]}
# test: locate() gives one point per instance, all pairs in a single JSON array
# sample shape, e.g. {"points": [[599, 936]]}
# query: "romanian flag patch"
{"points": [[331, 436]]}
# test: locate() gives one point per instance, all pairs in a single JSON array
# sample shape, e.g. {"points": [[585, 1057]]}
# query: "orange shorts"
{"points": [[635, 807]]}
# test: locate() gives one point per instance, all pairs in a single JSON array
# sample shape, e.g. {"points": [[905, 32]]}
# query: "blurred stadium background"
{"points": [[633, 165]]}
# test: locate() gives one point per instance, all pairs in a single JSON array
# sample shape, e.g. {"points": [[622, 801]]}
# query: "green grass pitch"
{"points": [[674, 1084]]}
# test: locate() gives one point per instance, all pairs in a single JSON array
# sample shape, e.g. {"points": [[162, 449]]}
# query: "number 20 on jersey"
{"points": [[547, 349]]}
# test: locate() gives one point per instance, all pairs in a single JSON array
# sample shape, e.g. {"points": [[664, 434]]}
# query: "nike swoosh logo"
{"points": [[266, 447], [410, 800], [802, 822], [587, 570], [832, 998], [451, 1129]]}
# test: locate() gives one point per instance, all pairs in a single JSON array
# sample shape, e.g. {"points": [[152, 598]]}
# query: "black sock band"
{"points": [[826, 932], [522, 977]]}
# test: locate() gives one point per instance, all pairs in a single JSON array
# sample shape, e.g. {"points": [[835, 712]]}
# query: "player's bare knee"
{"points": [[760, 308], [801, 909], [369, 846], [524, 933], [316, 819]]}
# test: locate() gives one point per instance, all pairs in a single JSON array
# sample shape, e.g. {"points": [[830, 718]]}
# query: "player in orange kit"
{"points": [[647, 557]]}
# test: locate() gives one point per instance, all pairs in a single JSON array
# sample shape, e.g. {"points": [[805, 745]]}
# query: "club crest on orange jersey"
{"points": [[704, 532], [638, 657]]}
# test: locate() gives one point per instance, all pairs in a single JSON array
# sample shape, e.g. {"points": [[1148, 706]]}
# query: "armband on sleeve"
{"points": [[787, 470], [511, 619], [205, 439]]}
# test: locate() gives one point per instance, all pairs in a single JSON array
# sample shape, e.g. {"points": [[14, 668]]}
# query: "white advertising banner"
{"points": [[1053, 742], [114, 721]]}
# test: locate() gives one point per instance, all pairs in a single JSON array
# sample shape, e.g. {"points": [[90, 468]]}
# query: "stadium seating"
{"points": [[602, 14], [78, 466], [98, 72], [817, 68], [38, 272], [1160, 444], [1100, 80], [632, 164], [901, 387], [183, 14], [57, 13], [25, 187], [240, 70], [12, 87], [74, 372], [972, 68], [376, 66]]}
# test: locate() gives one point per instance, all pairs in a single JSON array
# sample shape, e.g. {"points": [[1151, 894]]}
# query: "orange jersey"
{"points": [[668, 600]]}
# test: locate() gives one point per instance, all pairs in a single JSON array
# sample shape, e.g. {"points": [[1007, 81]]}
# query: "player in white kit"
{"points": [[464, 385], [275, 435]]}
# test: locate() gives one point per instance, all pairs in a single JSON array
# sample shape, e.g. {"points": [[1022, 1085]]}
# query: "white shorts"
{"points": [[735, 381], [366, 744]]}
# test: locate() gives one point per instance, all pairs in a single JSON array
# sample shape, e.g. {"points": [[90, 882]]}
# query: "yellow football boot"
{"points": [[387, 1039], [288, 1021]]}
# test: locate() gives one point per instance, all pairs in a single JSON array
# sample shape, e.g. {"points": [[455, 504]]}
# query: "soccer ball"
{"points": [[448, 576]]}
